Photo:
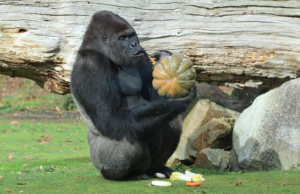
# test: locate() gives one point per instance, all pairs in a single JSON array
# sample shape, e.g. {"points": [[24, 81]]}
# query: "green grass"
{"points": [[19, 94], [62, 165]]}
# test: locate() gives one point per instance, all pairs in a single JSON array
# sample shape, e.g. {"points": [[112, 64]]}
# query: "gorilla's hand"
{"points": [[159, 55], [180, 104], [170, 107]]}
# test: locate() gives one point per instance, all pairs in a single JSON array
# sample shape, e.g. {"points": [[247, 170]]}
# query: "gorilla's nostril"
{"points": [[132, 45]]}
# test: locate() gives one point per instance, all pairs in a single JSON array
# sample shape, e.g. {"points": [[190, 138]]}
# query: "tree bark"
{"points": [[240, 43]]}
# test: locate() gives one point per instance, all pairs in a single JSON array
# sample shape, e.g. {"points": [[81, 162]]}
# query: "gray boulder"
{"points": [[212, 135], [212, 158], [200, 112], [267, 134]]}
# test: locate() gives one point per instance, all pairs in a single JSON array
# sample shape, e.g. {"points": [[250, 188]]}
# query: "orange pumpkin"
{"points": [[175, 76]]}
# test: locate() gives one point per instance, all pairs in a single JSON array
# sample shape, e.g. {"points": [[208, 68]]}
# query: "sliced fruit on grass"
{"points": [[195, 177], [195, 184], [180, 176], [161, 183], [159, 175]]}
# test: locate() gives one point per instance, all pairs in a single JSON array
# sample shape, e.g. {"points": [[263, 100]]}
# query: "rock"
{"points": [[248, 95], [267, 134], [212, 158], [198, 114], [209, 134], [233, 163], [173, 162], [193, 153], [215, 94]]}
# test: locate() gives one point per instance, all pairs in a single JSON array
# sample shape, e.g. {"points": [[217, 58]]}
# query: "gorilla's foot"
{"points": [[136, 177], [166, 171], [163, 170]]}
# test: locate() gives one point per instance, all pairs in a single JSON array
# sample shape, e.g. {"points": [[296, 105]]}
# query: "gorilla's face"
{"points": [[114, 37], [123, 47]]}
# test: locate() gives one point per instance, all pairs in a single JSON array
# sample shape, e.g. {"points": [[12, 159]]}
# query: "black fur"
{"points": [[132, 130]]}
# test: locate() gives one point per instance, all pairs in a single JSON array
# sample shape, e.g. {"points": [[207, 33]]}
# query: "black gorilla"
{"points": [[132, 131]]}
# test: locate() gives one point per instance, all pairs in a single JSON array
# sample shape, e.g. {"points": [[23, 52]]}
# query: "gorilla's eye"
{"points": [[104, 38], [132, 35], [122, 37]]}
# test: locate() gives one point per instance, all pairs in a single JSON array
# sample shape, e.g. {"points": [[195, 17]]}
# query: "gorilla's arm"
{"points": [[116, 123], [119, 123], [163, 106], [99, 97]]}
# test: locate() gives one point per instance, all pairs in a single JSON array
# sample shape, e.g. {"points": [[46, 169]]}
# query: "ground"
{"points": [[44, 150]]}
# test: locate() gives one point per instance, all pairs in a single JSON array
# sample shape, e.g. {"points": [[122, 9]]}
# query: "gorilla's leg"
{"points": [[119, 160], [169, 141]]}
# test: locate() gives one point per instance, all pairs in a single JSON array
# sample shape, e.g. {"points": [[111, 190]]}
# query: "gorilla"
{"points": [[132, 131]]}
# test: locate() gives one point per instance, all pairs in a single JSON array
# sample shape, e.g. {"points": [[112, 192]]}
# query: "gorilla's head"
{"points": [[114, 37]]}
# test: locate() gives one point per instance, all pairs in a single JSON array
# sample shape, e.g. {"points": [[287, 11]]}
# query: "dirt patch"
{"points": [[44, 116]]}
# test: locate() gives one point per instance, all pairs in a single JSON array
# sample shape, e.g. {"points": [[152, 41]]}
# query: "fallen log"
{"points": [[238, 43]]}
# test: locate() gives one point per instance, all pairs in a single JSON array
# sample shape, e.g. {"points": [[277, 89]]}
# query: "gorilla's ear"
{"points": [[90, 46], [85, 50], [93, 37]]}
